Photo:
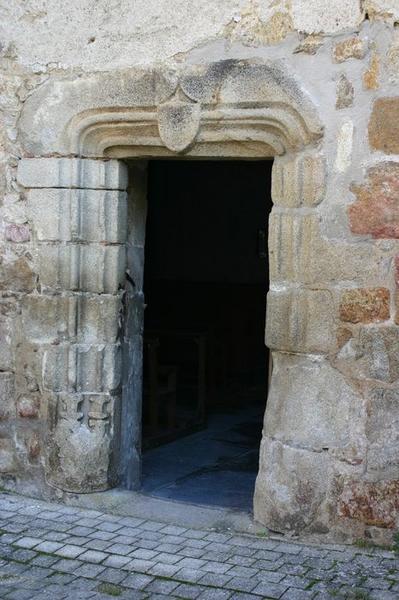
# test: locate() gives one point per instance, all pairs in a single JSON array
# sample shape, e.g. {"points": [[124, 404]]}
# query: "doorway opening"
{"points": [[205, 362]]}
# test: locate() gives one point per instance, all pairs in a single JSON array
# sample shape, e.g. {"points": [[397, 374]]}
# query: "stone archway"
{"points": [[76, 134]]}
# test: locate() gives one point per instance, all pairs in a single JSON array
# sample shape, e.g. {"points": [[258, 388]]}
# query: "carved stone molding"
{"points": [[299, 179], [202, 109], [78, 212], [70, 173], [78, 215]]}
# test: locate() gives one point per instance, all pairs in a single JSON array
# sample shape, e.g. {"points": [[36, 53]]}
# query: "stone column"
{"points": [[78, 210]]}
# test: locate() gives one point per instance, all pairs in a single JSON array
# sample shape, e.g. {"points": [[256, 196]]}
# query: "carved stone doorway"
{"points": [[77, 137]]}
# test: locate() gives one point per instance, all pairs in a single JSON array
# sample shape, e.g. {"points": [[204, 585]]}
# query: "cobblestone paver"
{"points": [[56, 552]]}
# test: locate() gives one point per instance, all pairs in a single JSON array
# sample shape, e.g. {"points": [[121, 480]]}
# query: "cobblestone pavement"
{"points": [[53, 552]]}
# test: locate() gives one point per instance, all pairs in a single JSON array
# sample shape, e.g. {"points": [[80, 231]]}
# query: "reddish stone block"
{"points": [[376, 210], [17, 233], [365, 305], [371, 503], [28, 408], [343, 336]]}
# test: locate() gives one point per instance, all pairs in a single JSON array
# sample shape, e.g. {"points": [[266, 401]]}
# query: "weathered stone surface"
{"points": [[343, 335], [353, 47], [28, 408], [299, 253], [382, 431], [6, 345], [373, 503], [85, 318], [7, 396], [260, 24], [313, 16], [382, 9], [131, 411], [381, 348], [16, 274], [371, 353], [299, 180], [344, 146], [299, 320], [384, 125], [134, 318], [372, 74], [310, 44], [78, 215], [56, 120], [8, 462], [291, 487], [72, 173], [137, 204], [345, 93], [178, 123], [17, 233], [81, 368], [376, 210], [79, 449], [314, 421], [92, 268], [14, 211], [33, 446], [365, 305], [391, 62], [96, 37]]}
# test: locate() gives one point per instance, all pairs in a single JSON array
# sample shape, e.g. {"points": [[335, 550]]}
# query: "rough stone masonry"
{"points": [[313, 83]]}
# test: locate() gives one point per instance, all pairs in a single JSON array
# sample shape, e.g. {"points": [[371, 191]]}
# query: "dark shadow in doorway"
{"points": [[216, 466], [205, 362]]}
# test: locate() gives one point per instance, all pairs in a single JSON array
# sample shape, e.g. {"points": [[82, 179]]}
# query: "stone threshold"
{"points": [[136, 504]]}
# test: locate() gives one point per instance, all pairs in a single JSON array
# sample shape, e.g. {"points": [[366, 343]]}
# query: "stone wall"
{"points": [[329, 456]]}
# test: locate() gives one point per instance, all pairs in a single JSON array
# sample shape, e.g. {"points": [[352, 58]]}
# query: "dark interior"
{"points": [[205, 362]]}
